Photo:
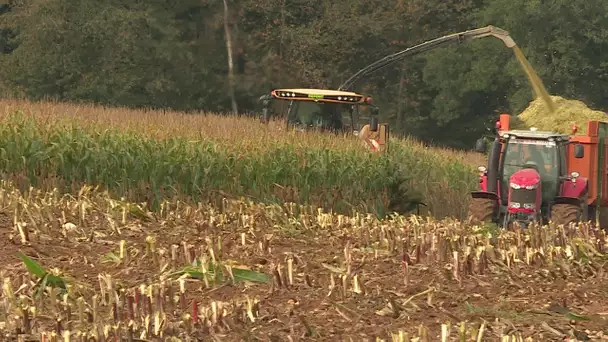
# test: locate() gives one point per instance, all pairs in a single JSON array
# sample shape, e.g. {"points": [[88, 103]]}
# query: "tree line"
{"points": [[222, 55]]}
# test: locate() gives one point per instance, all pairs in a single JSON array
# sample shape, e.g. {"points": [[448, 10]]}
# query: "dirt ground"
{"points": [[538, 301]]}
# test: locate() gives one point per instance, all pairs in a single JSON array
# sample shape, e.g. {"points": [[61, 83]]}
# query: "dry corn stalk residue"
{"points": [[97, 269]]}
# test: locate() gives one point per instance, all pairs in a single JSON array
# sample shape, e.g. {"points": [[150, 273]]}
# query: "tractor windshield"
{"points": [[320, 115], [521, 152]]}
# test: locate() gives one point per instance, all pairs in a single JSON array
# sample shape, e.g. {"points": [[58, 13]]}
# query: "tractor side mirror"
{"points": [[373, 124], [480, 145], [579, 151]]}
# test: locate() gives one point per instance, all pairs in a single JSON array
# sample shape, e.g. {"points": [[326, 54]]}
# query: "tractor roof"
{"points": [[533, 134], [320, 95]]}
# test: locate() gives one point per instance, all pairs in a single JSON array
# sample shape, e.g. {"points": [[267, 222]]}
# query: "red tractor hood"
{"points": [[525, 177]]}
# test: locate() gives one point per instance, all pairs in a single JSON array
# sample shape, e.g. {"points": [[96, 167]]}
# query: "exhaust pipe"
{"points": [[373, 124], [493, 161]]}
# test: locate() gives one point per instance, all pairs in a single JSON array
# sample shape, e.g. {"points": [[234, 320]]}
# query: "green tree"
{"points": [[106, 52], [476, 81], [164, 54]]}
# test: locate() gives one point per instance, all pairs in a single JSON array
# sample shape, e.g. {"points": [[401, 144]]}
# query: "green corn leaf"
{"points": [[250, 275], [32, 266], [577, 317], [239, 274], [55, 281], [42, 285]]}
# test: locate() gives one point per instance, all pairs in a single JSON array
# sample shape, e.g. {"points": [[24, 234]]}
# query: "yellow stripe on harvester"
{"points": [[323, 92]]}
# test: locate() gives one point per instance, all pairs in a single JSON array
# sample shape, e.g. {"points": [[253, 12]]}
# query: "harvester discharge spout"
{"points": [[455, 38]]}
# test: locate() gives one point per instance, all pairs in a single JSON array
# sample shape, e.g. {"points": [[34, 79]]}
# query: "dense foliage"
{"points": [[166, 54]]}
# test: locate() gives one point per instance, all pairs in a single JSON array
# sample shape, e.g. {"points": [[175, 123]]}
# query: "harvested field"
{"points": [[248, 272]]}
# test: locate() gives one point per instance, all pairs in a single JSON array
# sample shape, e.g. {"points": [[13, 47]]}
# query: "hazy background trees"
{"points": [[160, 53]]}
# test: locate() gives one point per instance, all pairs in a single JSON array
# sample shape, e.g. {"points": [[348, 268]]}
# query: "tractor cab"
{"points": [[527, 176], [542, 152], [330, 111]]}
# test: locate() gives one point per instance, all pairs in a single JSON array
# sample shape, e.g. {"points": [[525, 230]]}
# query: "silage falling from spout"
{"points": [[535, 81]]}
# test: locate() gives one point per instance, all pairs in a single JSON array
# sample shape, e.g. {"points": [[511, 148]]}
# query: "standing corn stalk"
{"points": [[230, 64]]}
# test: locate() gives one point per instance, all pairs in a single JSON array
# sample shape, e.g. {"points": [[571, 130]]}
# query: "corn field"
{"points": [[148, 156]]}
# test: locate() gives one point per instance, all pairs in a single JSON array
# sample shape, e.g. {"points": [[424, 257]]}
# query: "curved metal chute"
{"points": [[454, 38]]}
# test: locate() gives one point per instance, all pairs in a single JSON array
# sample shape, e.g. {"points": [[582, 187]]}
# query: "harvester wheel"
{"points": [[481, 210], [564, 214]]}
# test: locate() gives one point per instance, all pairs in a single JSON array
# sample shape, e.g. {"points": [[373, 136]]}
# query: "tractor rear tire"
{"points": [[564, 214], [481, 210]]}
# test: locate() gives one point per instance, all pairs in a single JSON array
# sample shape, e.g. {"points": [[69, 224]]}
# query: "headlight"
{"points": [[529, 206], [515, 186], [574, 174], [514, 205], [532, 187]]}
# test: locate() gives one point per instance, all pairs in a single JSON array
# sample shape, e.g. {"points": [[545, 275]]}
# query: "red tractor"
{"points": [[537, 176]]}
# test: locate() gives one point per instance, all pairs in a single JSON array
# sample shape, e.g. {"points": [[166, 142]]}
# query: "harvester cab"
{"points": [[527, 179], [330, 110]]}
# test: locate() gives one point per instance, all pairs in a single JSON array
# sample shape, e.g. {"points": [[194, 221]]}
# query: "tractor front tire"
{"points": [[481, 210], [564, 214]]}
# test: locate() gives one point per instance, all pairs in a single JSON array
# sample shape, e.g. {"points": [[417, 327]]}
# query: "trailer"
{"points": [[543, 176]]}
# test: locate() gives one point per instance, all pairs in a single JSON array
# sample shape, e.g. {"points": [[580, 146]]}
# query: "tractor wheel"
{"points": [[481, 210], [603, 217], [564, 214]]}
